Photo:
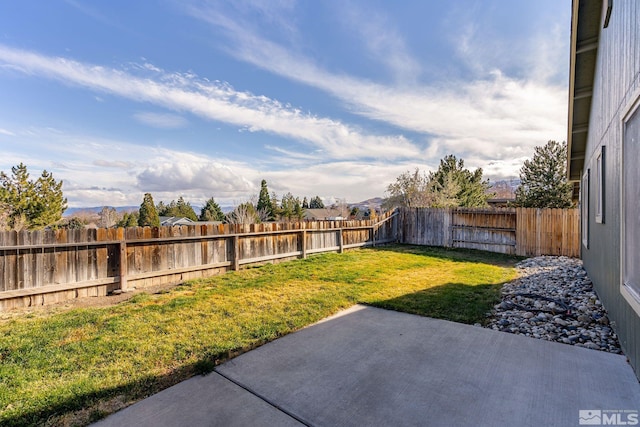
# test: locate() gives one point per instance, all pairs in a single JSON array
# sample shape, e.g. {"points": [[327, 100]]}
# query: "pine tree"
{"points": [[472, 190], [30, 204], [211, 211], [148, 214], [298, 210], [264, 204], [162, 209], [543, 180], [287, 206], [305, 203], [316, 203], [179, 209], [184, 210], [129, 219], [48, 204], [275, 210]]}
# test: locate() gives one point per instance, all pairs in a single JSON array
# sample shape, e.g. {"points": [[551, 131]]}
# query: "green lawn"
{"points": [[72, 367]]}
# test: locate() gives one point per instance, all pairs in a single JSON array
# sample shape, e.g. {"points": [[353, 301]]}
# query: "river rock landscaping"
{"points": [[554, 299]]}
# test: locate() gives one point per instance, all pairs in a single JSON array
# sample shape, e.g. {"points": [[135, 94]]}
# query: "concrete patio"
{"points": [[374, 367]]}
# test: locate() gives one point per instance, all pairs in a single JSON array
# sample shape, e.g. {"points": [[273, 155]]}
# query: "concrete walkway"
{"points": [[373, 367]]}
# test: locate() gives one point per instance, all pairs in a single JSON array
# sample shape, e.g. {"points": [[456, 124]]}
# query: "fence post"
{"points": [[373, 235], [236, 252], [304, 243], [123, 265], [340, 241]]}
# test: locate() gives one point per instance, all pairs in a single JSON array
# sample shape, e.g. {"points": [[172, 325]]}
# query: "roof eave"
{"points": [[585, 33]]}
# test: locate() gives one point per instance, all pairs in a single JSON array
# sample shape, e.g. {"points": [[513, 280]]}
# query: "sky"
{"points": [[334, 98]]}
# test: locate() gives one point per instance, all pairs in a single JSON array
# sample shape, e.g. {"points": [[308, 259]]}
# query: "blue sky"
{"points": [[333, 98]]}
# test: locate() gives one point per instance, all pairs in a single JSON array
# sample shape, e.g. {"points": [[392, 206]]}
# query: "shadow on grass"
{"points": [[456, 302]]}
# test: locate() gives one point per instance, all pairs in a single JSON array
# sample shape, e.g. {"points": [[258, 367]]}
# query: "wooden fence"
{"points": [[43, 267], [525, 232]]}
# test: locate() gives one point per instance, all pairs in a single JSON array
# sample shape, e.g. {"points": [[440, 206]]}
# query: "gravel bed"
{"points": [[554, 299]]}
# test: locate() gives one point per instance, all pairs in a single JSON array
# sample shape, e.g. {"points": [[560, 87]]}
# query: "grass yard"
{"points": [[75, 366]]}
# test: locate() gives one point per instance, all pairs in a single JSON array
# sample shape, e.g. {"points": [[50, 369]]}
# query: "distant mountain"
{"points": [[95, 210], [505, 189], [374, 202]]}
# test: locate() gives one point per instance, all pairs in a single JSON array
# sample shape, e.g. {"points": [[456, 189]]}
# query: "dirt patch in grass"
{"points": [[84, 302]]}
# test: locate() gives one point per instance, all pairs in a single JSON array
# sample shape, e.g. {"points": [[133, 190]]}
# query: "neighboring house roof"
{"points": [[173, 220], [323, 214], [586, 21]]}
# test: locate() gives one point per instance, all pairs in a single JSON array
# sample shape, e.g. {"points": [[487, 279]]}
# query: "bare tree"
{"points": [[343, 208], [108, 217], [246, 213], [410, 190]]}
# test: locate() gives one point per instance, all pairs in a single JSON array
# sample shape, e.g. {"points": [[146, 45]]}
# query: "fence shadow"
{"points": [[457, 302]]}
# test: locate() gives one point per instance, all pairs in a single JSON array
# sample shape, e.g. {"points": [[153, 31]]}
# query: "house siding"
{"points": [[616, 86]]}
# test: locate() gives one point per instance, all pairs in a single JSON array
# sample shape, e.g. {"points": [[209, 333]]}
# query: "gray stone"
{"points": [[560, 322], [558, 278]]}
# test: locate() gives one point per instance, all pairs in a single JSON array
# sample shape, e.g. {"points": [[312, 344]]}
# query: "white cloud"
{"points": [[161, 120], [181, 176], [217, 101], [6, 132], [491, 116]]}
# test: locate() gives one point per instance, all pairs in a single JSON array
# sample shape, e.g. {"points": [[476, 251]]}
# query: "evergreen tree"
{"points": [[287, 206], [445, 195], [298, 210], [211, 211], [185, 210], [180, 209], [543, 180], [74, 223], [305, 203], [30, 204], [450, 186], [264, 201], [162, 209], [129, 219], [148, 214], [316, 203], [451, 174], [275, 210]]}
